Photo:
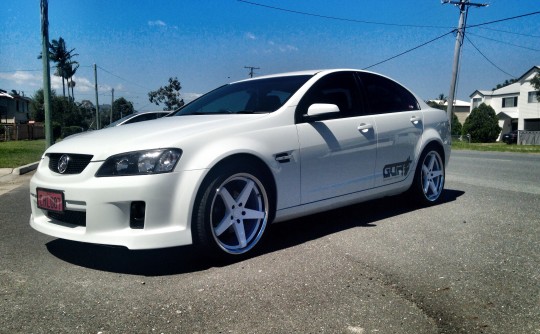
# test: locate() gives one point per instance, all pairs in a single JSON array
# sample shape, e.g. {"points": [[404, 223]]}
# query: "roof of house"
{"points": [[457, 103], [2, 94], [506, 90], [533, 69]]}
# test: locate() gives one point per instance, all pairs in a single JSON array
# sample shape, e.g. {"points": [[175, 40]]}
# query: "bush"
{"points": [[456, 126], [482, 124], [56, 131], [71, 130]]}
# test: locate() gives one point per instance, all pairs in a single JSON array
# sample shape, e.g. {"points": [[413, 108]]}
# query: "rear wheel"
{"points": [[429, 177], [233, 211]]}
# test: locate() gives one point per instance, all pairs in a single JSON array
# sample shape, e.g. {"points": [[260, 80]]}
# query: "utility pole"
{"points": [[46, 72], [97, 101], [112, 102], [463, 6], [251, 68]]}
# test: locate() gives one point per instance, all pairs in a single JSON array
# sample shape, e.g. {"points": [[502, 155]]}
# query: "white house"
{"points": [[14, 108], [461, 108], [516, 105]]}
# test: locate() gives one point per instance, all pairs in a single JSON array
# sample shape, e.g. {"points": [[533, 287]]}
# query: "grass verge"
{"points": [[19, 153], [495, 147]]}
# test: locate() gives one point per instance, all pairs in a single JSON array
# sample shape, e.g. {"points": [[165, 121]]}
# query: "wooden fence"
{"points": [[21, 132]]}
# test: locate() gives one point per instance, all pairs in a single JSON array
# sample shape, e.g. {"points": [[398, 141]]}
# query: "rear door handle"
{"points": [[415, 120], [365, 127]]}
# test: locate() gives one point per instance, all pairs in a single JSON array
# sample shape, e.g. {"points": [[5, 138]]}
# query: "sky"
{"points": [[138, 45]]}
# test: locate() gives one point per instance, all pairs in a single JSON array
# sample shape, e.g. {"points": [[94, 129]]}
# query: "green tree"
{"points": [[442, 98], [88, 112], [535, 82], [457, 128], [120, 108], [64, 112], [69, 72], [59, 54], [37, 109], [456, 125], [168, 95], [505, 83], [71, 113], [482, 124]]}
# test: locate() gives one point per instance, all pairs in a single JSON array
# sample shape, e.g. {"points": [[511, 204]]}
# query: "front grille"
{"points": [[77, 162], [76, 218]]}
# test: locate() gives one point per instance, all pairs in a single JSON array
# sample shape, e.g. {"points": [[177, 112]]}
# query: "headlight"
{"points": [[141, 163]]}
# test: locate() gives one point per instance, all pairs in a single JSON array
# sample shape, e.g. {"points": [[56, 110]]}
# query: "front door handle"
{"points": [[365, 127]]}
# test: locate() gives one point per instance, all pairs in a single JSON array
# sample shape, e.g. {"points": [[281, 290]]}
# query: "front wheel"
{"points": [[428, 181], [233, 212]]}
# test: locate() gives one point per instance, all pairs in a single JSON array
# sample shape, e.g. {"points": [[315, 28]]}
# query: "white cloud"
{"points": [[250, 36], [23, 78], [27, 81], [83, 84], [188, 97], [280, 47], [287, 48], [157, 23]]}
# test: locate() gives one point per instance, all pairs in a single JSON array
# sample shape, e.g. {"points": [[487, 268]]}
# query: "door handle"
{"points": [[415, 120], [365, 127]]}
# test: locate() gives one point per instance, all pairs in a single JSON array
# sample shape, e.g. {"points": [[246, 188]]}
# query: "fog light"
{"points": [[137, 213]]}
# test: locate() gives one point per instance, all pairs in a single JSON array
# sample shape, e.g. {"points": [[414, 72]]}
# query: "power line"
{"points": [[486, 58], [339, 18], [412, 49], [494, 40], [502, 20], [511, 32], [119, 77]]}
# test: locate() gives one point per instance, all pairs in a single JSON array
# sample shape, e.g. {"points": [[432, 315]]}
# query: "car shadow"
{"points": [[185, 259]]}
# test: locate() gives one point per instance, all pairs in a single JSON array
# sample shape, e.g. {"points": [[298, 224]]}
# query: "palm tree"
{"points": [[69, 72], [442, 98], [59, 54]]}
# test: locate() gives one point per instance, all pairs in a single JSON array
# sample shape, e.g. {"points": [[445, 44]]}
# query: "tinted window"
{"points": [[385, 95], [339, 88], [262, 95]]}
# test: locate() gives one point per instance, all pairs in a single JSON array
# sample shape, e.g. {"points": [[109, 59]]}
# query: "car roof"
{"points": [[307, 72]]}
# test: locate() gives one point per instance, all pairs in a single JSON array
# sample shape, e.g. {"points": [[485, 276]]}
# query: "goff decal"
{"points": [[397, 169]]}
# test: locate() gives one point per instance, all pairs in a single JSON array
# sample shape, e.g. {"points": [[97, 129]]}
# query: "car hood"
{"points": [[160, 133]]}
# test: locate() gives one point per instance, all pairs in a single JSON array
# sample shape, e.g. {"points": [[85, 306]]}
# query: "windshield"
{"points": [[119, 121], [253, 96]]}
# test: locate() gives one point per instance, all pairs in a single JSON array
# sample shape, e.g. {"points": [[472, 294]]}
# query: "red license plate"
{"points": [[52, 200]]}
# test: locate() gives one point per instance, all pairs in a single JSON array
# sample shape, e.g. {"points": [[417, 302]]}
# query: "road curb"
{"points": [[25, 169]]}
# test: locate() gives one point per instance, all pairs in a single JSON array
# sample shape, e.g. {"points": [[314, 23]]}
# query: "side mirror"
{"points": [[322, 109]]}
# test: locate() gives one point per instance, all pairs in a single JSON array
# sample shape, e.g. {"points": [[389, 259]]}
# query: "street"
{"points": [[468, 265]]}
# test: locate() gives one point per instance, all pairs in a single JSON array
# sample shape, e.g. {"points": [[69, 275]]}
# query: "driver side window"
{"points": [[340, 89]]}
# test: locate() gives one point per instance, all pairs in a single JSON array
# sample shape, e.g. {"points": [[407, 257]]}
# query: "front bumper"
{"points": [[105, 204]]}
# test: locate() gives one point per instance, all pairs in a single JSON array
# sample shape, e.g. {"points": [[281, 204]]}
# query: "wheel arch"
{"points": [[437, 145], [416, 191], [238, 159]]}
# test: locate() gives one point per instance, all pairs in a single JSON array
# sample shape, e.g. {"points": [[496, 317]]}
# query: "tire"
{"points": [[429, 177], [232, 212]]}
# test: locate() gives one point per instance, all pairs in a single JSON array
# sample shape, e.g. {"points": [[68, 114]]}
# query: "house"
{"points": [[461, 108], [14, 108], [516, 105]]}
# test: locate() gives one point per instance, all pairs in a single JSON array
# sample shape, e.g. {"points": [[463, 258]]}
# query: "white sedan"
{"points": [[249, 153]]}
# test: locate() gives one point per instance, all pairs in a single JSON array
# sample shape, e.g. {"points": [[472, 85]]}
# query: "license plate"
{"points": [[52, 200]]}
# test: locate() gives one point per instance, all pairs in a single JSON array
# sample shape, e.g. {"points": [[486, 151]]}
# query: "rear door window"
{"points": [[385, 95]]}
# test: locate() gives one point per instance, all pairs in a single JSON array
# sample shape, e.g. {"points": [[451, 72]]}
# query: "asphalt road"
{"points": [[468, 265]]}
